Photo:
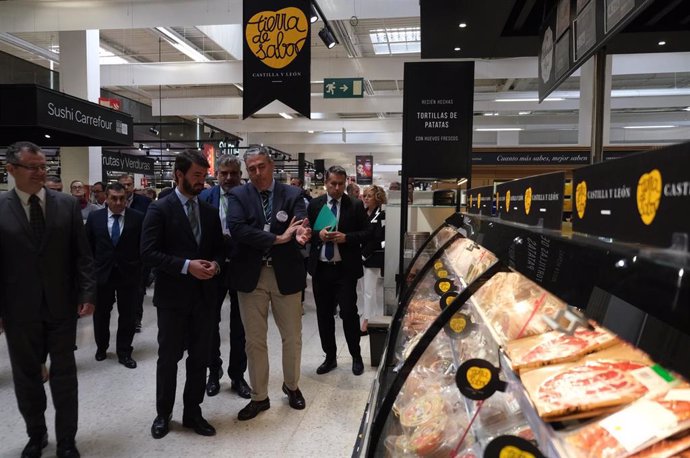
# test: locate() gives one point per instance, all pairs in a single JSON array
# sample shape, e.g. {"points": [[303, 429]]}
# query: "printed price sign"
{"points": [[478, 379]]}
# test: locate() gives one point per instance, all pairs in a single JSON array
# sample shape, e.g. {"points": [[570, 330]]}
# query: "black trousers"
{"points": [[333, 286], [127, 297], [237, 364], [28, 343], [179, 329], [139, 305]]}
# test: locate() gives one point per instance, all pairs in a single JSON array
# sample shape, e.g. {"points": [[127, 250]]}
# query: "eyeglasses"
{"points": [[31, 168]]}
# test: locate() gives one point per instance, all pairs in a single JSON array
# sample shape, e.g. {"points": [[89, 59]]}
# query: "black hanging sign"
{"points": [[365, 169], [642, 198], [114, 164], [478, 379], [511, 447], [277, 55], [531, 199], [479, 200], [437, 119]]}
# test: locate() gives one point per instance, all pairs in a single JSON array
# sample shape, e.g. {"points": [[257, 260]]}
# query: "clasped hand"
{"points": [[333, 236], [202, 269]]}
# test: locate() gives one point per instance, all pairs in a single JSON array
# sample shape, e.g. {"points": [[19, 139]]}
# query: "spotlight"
{"points": [[154, 131], [314, 16], [327, 37], [167, 147]]}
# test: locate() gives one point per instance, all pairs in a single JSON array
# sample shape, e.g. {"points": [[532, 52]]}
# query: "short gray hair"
{"points": [[227, 160], [257, 151], [14, 151]]}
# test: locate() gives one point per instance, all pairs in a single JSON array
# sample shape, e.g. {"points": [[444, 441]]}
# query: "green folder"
{"points": [[325, 218]]}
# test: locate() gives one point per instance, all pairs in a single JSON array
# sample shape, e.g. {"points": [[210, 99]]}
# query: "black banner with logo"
{"points": [[481, 200], [319, 172], [365, 169], [114, 164], [437, 119], [277, 55], [529, 200], [643, 198]]}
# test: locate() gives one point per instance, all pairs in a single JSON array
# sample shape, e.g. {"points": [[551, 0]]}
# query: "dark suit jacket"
{"points": [[372, 251], [58, 272], [167, 241], [211, 196], [353, 222], [140, 203], [246, 221], [125, 257]]}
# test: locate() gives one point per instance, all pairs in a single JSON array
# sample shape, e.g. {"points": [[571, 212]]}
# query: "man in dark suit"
{"points": [[267, 222], [228, 173], [335, 264], [182, 240], [140, 203], [46, 279], [114, 234]]}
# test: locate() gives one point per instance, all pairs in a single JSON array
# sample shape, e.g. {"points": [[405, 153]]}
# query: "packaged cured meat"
{"points": [[667, 448], [513, 306], [634, 428], [469, 260], [557, 347]]}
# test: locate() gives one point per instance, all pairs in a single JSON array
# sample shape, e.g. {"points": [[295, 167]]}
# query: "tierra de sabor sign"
{"points": [[277, 55]]}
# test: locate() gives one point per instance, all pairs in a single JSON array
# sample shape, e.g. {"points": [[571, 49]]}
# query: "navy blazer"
{"points": [[211, 196], [353, 222], [246, 222], [167, 241], [125, 256], [140, 203]]}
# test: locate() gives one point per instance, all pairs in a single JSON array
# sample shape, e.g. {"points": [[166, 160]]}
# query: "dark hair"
{"points": [[228, 160], [301, 181], [210, 180], [184, 161], [257, 151], [335, 169], [164, 192], [98, 183], [351, 188], [15, 150], [150, 193], [117, 187], [54, 179], [125, 175]]}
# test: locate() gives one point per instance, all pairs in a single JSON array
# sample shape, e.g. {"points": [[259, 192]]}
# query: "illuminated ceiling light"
{"points": [[313, 17], [310, 131], [522, 113], [686, 109], [661, 43], [550, 99], [285, 115], [499, 129], [47, 135], [179, 43], [327, 37], [491, 113], [462, 25], [457, 48], [668, 126]]}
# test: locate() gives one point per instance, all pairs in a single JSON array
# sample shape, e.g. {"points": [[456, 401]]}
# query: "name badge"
{"points": [[282, 216], [267, 227]]}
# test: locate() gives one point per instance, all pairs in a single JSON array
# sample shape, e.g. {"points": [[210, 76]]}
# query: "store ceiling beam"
{"points": [[60, 15]]}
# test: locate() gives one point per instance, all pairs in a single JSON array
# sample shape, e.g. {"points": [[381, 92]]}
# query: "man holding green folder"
{"points": [[339, 227]]}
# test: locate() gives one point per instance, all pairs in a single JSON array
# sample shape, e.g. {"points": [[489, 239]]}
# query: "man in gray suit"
{"points": [[46, 279]]}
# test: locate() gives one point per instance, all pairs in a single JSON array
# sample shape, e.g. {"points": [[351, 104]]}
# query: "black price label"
{"points": [[511, 447], [447, 299], [443, 285], [459, 325], [478, 379]]}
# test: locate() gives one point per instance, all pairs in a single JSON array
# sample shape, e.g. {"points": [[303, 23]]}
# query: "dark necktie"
{"points": [[329, 252], [266, 204], [193, 220], [115, 236], [36, 220]]}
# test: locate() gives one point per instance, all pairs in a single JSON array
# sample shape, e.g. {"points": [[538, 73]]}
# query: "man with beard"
{"points": [[182, 240], [228, 173]]}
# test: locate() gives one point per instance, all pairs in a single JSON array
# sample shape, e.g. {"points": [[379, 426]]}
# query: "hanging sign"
{"points": [[479, 200], [642, 198], [365, 169], [277, 55], [529, 200], [437, 119]]}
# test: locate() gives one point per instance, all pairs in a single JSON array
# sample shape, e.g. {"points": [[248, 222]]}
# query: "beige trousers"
{"points": [[287, 314]]}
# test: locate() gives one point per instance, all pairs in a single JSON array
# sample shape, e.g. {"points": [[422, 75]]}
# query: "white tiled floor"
{"points": [[117, 405]]}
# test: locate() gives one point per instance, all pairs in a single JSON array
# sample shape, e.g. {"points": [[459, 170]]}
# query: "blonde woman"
{"points": [[373, 254]]}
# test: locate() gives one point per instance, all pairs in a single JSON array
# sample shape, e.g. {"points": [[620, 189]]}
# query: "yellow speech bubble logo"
{"points": [[513, 452], [277, 37], [458, 324], [528, 200], [649, 195], [507, 201], [581, 199], [478, 377]]}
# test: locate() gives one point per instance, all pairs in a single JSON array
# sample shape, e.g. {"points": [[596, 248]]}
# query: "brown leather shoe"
{"points": [[295, 398], [253, 409]]}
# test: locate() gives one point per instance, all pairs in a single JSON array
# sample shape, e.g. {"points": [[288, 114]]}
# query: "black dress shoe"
{"points": [[328, 365], [34, 447], [241, 387], [67, 449], [199, 425], [137, 326], [213, 385], [160, 427], [295, 398], [127, 361], [100, 355], [357, 366], [253, 409]]}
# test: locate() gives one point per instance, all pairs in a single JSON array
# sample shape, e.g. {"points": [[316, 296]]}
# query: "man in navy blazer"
{"points": [[267, 220], [182, 240], [335, 264], [228, 173], [114, 233]]}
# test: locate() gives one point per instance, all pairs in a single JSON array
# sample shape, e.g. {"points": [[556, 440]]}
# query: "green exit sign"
{"points": [[343, 88]]}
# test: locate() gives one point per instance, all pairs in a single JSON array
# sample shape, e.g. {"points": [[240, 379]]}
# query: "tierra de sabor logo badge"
{"points": [[507, 201], [649, 195], [471, 199], [277, 37], [528, 200], [581, 199]]}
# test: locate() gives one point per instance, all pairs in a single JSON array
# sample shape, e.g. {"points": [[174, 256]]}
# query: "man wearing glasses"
{"points": [[46, 275], [98, 194]]}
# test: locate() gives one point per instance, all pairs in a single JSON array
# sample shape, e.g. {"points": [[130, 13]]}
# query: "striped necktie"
{"points": [[266, 204], [194, 220]]}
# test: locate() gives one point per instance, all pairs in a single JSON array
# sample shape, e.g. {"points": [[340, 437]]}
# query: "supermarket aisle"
{"points": [[117, 405]]}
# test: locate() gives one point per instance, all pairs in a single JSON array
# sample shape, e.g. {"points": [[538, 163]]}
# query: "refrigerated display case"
{"points": [[551, 321]]}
